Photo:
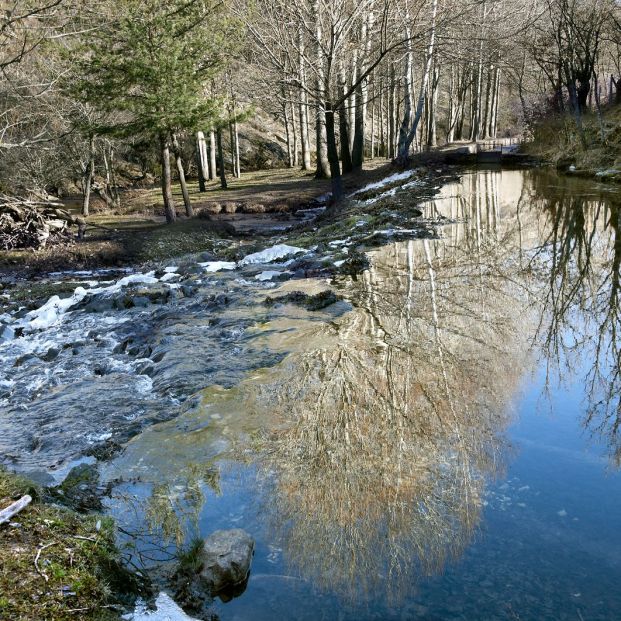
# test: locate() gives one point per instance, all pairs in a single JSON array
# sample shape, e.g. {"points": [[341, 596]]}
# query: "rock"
{"points": [[355, 264], [209, 208], [253, 208], [227, 555], [229, 207], [314, 302], [80, 489]]}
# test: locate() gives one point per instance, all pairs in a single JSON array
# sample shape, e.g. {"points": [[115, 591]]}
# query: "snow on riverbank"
{"points": [[401, 176], [165, 610]]}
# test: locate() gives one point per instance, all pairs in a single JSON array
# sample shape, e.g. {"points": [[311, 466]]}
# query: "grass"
{"points": [[76, 568]]}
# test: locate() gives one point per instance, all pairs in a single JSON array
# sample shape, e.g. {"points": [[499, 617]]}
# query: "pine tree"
{"points": [[151, 64]]}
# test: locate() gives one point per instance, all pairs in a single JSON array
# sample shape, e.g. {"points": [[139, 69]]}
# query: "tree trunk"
{"points": [[333, 156], [221, 159], [344, 128], [357, 154], [494, 117], [404, 145], [189, 212], [373, 121], [212, 155], [323, 171], [285, 114], [323, 166], [391, 113], [232, 147], [114, 188], [201, 161], [452, 106], [89, 175], [475, 110], [169, 204], [294, 130], [432, 139], [303, 113], [236, 137], [306, 150], [382, 138], [111, 190], [488, 101]]}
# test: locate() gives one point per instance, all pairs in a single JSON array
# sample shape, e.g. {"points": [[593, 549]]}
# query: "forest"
{"points": [[95, 97]]}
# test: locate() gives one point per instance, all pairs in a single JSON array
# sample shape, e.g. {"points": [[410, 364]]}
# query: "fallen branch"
{"points": [[36, 561], [14, 508], [33, 222]]}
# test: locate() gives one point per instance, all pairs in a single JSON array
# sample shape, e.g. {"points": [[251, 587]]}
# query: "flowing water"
{"points": [[441, 444]]}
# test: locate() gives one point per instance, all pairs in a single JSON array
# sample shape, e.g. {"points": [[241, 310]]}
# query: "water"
{"points": [[440, 445]]}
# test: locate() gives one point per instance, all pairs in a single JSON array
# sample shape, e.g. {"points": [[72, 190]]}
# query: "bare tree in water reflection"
{"points": [[581, 315], [391, 427]]}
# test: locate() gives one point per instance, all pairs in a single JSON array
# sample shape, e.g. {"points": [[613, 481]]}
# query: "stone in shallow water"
{"points": [[227, 558]]}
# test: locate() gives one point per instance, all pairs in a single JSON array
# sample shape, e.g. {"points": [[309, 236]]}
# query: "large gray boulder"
{"points": [[227, 555]]}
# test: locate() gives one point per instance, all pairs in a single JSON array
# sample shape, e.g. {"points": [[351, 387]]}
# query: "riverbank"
{"points": [[57, 564], [136, 234], [557, 141]]}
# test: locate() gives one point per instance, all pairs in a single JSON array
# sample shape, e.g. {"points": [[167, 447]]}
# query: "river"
{"points": [[442, 443]]}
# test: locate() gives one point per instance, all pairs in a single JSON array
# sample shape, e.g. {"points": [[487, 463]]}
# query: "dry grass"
{"points": [[558, 141]]}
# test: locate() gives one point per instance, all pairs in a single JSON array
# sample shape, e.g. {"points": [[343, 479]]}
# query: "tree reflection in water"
{"points": [[392, 426], [580, 320], [382, 427], [389, 433]]}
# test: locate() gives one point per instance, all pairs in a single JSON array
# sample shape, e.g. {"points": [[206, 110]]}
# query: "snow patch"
{"points": [[166, 610], [406, 174]]}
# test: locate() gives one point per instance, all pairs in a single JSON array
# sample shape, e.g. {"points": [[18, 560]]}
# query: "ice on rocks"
{"points": [[217, 266], [48, 314], [269, 274], [52, 311], [279, 251]]}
